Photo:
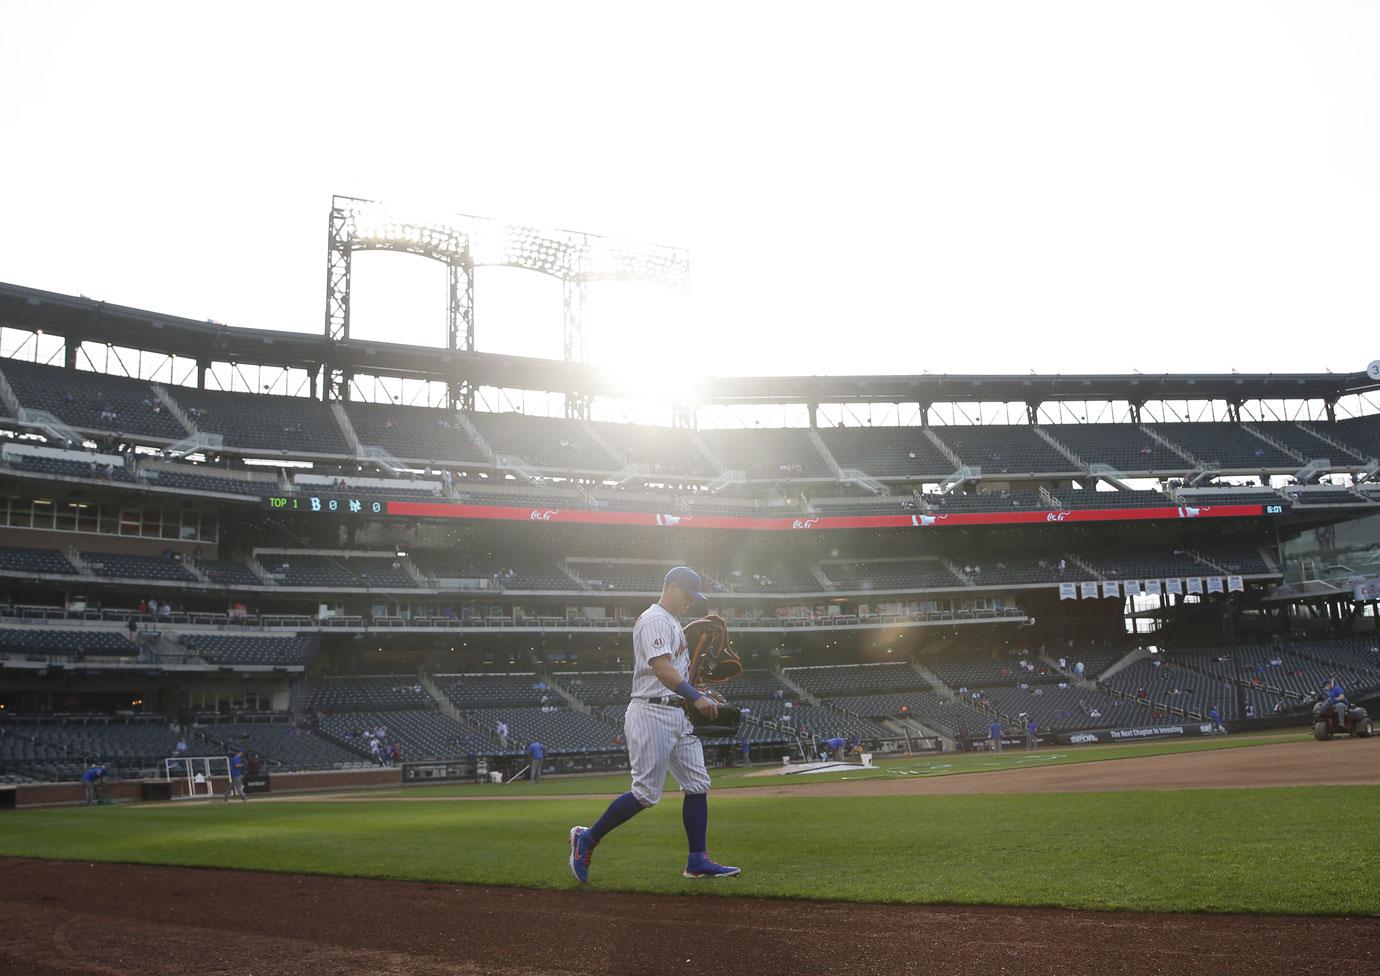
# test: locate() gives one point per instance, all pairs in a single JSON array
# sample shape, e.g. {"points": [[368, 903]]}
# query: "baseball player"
{"points": [[659, 735]]}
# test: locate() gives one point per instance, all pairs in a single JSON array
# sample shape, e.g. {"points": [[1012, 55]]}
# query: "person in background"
{"points": [[994, 733], [536, 752], [1032, 735], [236, 787], [95, 772], [395, 753], [1215, 717]]}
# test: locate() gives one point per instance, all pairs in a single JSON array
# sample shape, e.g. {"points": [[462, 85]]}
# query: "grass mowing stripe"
{"points": [[1265, 850]]}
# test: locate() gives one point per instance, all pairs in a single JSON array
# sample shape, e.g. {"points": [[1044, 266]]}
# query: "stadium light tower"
{"points": [[463, 243]]}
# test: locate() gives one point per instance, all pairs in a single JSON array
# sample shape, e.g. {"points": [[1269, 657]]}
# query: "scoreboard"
{"points": [[326, 503]]}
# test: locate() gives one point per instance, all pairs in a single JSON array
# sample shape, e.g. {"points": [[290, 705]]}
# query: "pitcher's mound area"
{"points": [[110, 919]]}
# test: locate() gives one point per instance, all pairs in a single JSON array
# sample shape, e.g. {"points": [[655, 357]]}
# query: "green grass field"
{"points": [[1288, 851], [935, 764]]}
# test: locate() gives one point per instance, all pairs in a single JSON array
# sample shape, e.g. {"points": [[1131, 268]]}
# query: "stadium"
{"points": [[191, 572], [827, 591]]}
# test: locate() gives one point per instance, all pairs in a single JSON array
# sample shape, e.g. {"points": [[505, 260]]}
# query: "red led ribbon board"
{"points": [[581, 516]]}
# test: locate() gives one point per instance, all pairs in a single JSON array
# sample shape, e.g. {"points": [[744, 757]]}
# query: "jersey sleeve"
{"points": [[654, 638]]}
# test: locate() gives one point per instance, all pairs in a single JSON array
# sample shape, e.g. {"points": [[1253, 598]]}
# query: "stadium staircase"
{"points": [[347, 429], [412, 569], [1049, 439], [943, 448], [7, 396], [575, 577], [1074, 680], [464, 421], [953, 568], [1140, 653], [55, 429], [1276, 444], [592, 432], [933, 679], [1170, 446], [257, 568], [173, 407], [703, 447], [800, 693], [825, 454], [825, 584], [1084, 566], [74, 557], [443, 704], [1329, 439], [573, 703]]}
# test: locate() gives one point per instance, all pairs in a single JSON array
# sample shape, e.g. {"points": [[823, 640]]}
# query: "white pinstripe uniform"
{"points": [[660, 737]]}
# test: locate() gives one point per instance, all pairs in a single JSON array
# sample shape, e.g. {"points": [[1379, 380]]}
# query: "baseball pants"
{"points": [[236, 788], [661, 738]]}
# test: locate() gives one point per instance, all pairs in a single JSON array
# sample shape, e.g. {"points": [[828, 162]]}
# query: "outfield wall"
{"points": [[28, 795]]}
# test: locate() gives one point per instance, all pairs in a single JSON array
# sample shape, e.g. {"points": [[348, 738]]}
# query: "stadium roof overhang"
{"points": [[83, 319]]}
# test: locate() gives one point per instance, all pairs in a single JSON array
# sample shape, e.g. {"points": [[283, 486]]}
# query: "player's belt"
{"points": [[674, 701]]}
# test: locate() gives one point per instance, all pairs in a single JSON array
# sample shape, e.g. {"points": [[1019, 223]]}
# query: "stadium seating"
{"points": [[26, 559], [557, 727], [356, 694], [468, 691], [886, 452], [1056, 709], [1071, 498], [856, 679], [65, 643], [125, 566], [1124, 446], [1226, 445], [1301, 440], [1004, 449], [664, 451], [422, 434], [320, 570], [972, 670], [67, 468], [1362, 433], [889, 574], [1119, 564], [422, 734], [282, 746], [511, 571], [226, 573], [92, 401], [249, 421], [776, 453], [1003, 500], [201, 479], [636, 577], [544, 442], [237, 649], [1323, 496]]}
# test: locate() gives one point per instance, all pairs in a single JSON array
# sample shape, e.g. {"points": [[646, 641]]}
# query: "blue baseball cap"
{"points": [[687, 579]]}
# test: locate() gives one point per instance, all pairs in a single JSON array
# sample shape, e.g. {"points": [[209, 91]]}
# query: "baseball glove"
{"points": [[712, 657], [725, 726]]}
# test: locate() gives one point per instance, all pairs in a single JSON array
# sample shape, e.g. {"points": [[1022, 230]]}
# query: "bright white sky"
{"points": [[864, 188]]}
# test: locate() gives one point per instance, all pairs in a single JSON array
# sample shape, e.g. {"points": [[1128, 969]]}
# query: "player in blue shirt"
{"points": [[536, 752], [1337, 695], [89, 778], [835, 745], [236, 778], [1215, 717], [994, 731]]}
